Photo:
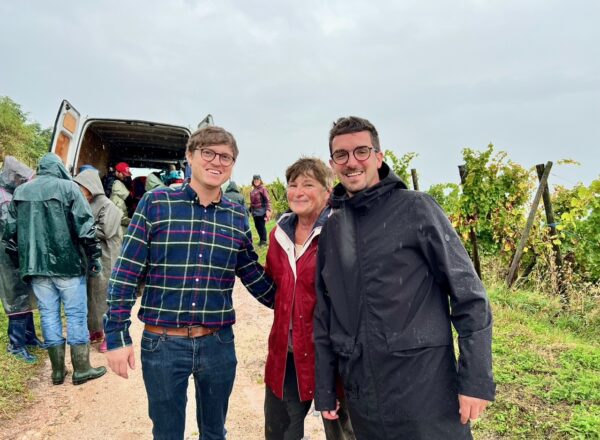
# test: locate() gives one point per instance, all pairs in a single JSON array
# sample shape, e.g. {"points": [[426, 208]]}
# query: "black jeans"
{"points": [[259, 223], [284, 419]]}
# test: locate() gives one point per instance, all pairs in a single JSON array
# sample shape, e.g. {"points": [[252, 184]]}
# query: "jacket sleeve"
{"points": [[126, 275], [108, 222], [470, 311], [9, 238], [83, 219], [265, 194], [251, 273], [325, 359]]}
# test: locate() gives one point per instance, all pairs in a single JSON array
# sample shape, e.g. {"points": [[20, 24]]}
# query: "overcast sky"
{"points": [[433, 76]]}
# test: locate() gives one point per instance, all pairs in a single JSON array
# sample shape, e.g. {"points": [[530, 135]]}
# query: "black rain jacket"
{"points": [[392, 277]]}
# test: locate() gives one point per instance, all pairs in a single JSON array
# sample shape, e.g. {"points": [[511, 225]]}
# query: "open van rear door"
{"points": [[64, 136]]}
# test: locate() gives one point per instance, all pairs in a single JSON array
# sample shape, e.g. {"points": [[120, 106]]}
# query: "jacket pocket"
{"points": [[414, 337]]}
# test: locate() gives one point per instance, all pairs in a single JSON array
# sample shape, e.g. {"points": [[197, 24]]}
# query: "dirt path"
{"points": [[114, 408]]}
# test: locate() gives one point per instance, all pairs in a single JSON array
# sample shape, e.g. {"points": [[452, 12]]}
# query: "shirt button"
{"points": [[194, 304], [200, 255], [197, 279], [301, 316], [203, 232], [305, 354]]}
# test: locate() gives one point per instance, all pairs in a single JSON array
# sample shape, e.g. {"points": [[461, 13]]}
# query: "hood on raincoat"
{"points": [[51, 165], [153, 181], [90, 180], [232, 187], [14, 173]]}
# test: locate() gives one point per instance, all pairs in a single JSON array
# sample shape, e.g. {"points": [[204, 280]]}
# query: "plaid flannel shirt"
{"points": [[188, 255]]}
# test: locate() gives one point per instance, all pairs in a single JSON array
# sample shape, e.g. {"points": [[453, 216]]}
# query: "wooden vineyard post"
{"points": [[462, 170], [415, 179], [512, 272], [553, 233]]}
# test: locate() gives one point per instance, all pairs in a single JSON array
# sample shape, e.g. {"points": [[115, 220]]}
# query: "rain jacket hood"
{"points": [[51, 165], [232, 187], [13, 174], [153, 181], [14, 294], [90, 180]]}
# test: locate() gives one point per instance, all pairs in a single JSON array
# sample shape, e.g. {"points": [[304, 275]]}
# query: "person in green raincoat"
{"points": [[48, 229], [14, 293]]}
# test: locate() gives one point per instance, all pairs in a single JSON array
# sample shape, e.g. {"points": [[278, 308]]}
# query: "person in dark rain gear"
{"points": [[49, 227], [14, 293], [392, 277]]}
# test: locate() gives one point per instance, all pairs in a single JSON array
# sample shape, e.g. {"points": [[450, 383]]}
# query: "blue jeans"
{"points": [[51, 292], [168, 362]]}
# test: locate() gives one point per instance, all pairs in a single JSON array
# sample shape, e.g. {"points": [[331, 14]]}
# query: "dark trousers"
{"points": [[259, 223], [284, 419]]}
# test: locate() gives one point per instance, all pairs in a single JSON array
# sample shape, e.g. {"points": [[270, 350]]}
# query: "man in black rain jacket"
{"points": [[392, 277]]}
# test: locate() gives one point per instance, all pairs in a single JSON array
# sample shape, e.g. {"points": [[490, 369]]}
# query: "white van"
{"points": [[106, 142]]}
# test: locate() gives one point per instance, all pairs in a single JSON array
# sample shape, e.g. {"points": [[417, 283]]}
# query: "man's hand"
{"points": [[470, 408], [120, 359], [95, 267], [332, 414], [268, 216]]}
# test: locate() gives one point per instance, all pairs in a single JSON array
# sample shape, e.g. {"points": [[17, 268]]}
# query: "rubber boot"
{"points": [[57, 359], [31, 338], [82, 370], [17, 325]]}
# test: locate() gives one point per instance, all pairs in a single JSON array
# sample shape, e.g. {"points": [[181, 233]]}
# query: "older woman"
{"points": [[291, 258]]}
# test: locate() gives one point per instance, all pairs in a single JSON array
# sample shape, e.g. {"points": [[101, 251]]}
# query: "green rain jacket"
{"points": [[51, 221], [14, 293]]}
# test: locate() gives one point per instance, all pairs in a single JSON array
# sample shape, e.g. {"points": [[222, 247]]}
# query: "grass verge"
{"points": [[547, 367], [15, 375]]}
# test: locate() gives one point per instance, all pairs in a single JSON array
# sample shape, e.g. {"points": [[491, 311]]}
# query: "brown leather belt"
{"points": [[196, 331]]}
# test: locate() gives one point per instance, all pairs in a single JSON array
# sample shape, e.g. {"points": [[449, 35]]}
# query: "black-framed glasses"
{"points": [[360, 153], [224, 159]]}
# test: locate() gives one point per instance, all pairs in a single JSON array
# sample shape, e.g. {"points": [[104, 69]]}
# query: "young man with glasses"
{"points": [[392, 277], [188, 244]]}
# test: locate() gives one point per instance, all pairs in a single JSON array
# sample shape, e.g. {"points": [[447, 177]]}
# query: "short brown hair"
{"points": [[211, 135], [353, 124], [310, 167]]}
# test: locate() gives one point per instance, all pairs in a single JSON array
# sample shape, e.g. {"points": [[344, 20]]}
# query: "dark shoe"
{"points": [[22, 354], [17, 325], [57, 359], [31, 338], [82, 370]]}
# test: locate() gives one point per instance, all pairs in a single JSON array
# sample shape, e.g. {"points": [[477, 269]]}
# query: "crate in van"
{"points": [[104, 142]]}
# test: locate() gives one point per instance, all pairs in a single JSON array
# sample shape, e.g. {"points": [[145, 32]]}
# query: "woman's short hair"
{"points": [[311, 167]]}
